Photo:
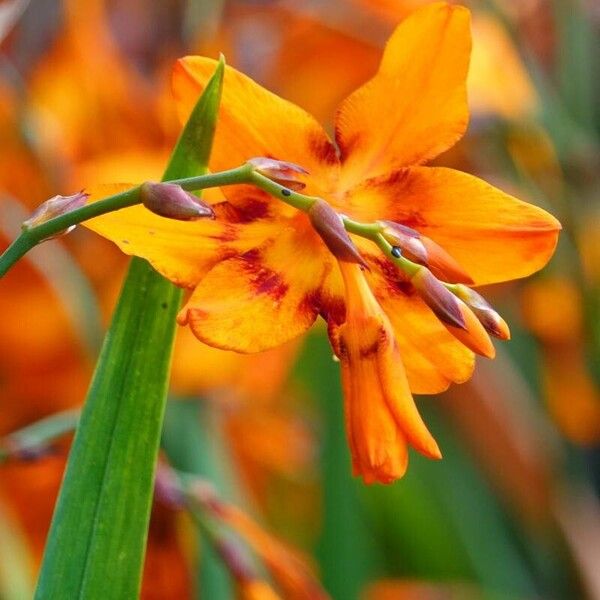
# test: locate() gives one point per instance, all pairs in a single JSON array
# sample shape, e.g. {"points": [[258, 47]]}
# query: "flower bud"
{"points": [[494, 324], [329, 225], [472, 335], [167, 488], [455, 315], [172, 201], [442, 302], [424, 251], [443, 265], [55, 207], [284, 173], [405, 238]]}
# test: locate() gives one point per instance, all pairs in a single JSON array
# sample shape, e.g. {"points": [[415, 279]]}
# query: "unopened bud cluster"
{"points": [[324, 219], [424, 251], [434, 274]]}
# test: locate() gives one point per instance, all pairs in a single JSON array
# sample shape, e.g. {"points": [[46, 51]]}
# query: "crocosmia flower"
{"points": [[260, 273]]}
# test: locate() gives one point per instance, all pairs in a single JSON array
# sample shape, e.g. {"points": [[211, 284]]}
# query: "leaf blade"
{"points": [[103, 510]]}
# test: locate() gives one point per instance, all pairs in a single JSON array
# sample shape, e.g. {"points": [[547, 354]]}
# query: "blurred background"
{"points": [[511, 512]]}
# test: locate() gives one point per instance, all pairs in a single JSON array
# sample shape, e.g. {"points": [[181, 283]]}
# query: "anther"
{"points": [[286, 192], [396, 252]]}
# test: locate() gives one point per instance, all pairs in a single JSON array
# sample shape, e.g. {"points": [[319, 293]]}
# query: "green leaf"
{"points": [[97, 540], [192, 151]]}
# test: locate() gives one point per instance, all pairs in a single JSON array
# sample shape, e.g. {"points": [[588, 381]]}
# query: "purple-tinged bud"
{"points": [[173, 202], [55, 207], [279, 171], [232, 553], [442, 302], [405, 238], [424, 251], [167, 488], [329, 225], [493, 323], [19, 448]]}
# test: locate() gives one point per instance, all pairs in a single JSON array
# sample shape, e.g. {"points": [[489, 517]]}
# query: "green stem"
{"points": [[366, 230], [234, 555], [37, 436], [370, 231], [240, 175], [29, 238], [299, 201], [408, 266]]}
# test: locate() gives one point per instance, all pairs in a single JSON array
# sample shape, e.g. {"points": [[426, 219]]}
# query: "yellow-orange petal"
{"points": [[381, 416], [432, 357], [181, 251], [254, 122], [492, 235], [378, 448], [288, 567], [416, 105], [260, 299]]}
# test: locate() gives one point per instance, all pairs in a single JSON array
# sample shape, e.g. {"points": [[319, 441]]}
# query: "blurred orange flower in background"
{"points": [[316, 58], [265, 428], [552, 310], [273, 272]]}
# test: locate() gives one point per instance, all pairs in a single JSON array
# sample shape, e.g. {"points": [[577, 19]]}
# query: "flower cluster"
{"points": [[383, 249]]}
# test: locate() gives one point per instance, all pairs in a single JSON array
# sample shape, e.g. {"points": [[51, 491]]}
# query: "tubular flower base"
{"points": [[381, 416], [261, 272]]}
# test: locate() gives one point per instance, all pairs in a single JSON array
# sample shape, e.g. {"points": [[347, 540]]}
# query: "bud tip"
{"points": [[173, 202]]}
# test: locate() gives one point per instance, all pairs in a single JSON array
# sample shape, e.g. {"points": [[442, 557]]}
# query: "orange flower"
{"points": [[289, 569], [256, 589], [260, 272], [552, 310]]}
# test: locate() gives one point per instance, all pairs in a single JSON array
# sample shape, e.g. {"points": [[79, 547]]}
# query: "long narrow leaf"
{"points": [[98, 535]]}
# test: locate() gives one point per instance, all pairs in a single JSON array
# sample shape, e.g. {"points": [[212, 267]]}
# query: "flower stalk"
{"points": [[270, 181], [32, 236], [36, 439]]}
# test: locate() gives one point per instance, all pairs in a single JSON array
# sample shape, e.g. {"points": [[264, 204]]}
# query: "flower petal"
{"points": [[180, 251], [381, 416], [492, 235], [416, 106], [432, 357], [253, 122], [378, 445], [262, 298]]}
